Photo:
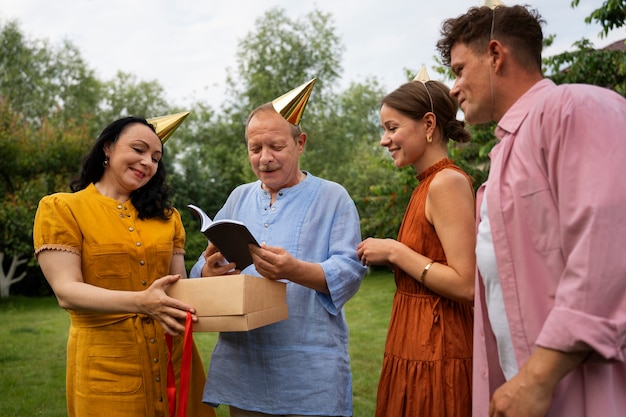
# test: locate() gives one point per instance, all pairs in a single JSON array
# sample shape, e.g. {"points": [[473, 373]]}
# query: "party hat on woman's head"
{"points": [[166, 125], [422, 75], [492, 4], [291, 105]]}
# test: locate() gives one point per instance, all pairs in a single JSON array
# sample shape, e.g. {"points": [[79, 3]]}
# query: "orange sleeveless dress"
{"points": [[427, 365]]}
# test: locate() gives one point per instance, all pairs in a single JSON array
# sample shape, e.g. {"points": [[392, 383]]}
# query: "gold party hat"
{"points": [[166, 125], [422, 75], [492, 4], [423, 78], [291, 105]]}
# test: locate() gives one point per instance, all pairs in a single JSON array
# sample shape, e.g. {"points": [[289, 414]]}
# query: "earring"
{"points": [[106, 161], [429, 138]]}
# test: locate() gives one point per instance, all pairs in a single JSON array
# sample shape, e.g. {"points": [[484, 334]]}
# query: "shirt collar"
{"points": [[513, 118]]}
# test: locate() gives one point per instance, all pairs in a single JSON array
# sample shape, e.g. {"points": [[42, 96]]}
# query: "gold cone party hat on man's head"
{"points": [[422, 76], [166, 125], [291, 105], [492, 4]]}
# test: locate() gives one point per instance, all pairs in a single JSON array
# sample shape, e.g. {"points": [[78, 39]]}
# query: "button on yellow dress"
{"points": [[427, 365], [116, 363]]}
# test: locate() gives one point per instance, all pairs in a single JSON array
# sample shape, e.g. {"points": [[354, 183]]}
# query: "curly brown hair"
{"points": [[518, 27]]}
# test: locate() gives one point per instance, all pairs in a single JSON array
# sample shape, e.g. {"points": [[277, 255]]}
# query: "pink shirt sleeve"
{"points": [[584, 156]]}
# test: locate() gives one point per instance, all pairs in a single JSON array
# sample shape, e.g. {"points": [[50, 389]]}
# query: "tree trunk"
{"points": [[7, 279]]}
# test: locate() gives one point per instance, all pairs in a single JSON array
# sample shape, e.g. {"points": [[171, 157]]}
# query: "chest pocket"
{"points": [[540, 212], [110, 261], [164, 258]]}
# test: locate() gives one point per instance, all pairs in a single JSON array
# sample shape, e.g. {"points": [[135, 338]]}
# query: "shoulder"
{"points": [[243, 190], [572, 111], [450, 194], [327, 185], [585, 96], [175, 215], [450, 182], [59, 201], [246, 188], [450, 177], [333, 191]]}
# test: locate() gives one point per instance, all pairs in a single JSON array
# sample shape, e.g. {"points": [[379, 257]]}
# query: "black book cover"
{"points": [[230, 237]]}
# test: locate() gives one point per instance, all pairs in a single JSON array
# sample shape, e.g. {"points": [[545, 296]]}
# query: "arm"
{"points": [[276, 263], [450, 209], [529, 393], [177, 266], [579, 290], [327, 262], [63, 272], [589, 300]]}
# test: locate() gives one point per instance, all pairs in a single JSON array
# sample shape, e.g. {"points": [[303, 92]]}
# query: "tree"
{"points": [[42, 81], [277, 55], [126, 95], [51, 109], [611, 15], [358, 162], [33, 162], [605, 68], [281, 54], [206, 159], [602, 67]]}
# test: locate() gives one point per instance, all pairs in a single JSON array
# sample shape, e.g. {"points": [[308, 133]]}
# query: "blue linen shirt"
{"points": [[300, 365]]}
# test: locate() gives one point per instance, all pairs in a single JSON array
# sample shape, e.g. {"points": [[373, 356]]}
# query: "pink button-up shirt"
{"points": [[557, 205]]}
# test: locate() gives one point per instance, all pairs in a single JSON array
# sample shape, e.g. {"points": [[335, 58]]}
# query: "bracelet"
{"points": [[426, 268]]}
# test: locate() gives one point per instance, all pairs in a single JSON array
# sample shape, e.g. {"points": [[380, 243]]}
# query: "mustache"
{"points": [[268, 168]]}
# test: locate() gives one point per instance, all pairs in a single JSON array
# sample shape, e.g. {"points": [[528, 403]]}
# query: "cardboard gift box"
{"points": [[231, 303]]}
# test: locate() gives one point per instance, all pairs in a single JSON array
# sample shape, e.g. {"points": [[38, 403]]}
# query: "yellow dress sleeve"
{"points": [[56, 227], [179, 234]]}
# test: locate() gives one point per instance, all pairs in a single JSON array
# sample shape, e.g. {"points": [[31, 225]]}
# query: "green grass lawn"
{"points": [[33, 337]]}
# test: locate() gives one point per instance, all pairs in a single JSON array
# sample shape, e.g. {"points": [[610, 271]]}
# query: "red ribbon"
{"points": [[185, 372]]}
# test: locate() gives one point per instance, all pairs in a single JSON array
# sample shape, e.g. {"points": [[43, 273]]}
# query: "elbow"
{"points": [[64, 299], [466, 296], [467, 287], [63, 303]]}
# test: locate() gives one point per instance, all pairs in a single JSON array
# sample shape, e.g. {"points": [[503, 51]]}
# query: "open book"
{"points": [[230, 237]]}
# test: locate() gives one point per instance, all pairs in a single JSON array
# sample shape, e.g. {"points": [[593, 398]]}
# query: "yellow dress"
{"points": [[116, 363]]}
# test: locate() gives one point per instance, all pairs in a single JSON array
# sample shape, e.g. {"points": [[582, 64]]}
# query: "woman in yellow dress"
{"points": [[109, 250]]}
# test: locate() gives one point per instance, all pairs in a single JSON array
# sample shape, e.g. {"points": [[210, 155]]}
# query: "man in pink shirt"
{"points": [[550, 314]]}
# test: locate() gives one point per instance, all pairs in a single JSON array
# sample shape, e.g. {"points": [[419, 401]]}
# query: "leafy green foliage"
{"points": [[602, 67], [280, 54], [52, 107], [43, 81], [611, 15], [473, 157], [207, 159], [125, 95]]}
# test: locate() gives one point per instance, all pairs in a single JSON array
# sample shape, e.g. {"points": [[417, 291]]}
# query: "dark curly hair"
{"points": [[412, 100], [519, 27], [151, 200]]}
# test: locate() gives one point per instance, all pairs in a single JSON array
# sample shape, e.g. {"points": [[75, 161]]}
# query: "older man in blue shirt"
{"points": [[308, 228]]}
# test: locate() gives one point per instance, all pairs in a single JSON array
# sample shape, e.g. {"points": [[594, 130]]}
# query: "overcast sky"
{"points": [[188, 46]]}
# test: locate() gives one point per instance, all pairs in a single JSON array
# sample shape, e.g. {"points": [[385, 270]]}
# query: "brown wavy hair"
{"points": [[412, 100]]}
